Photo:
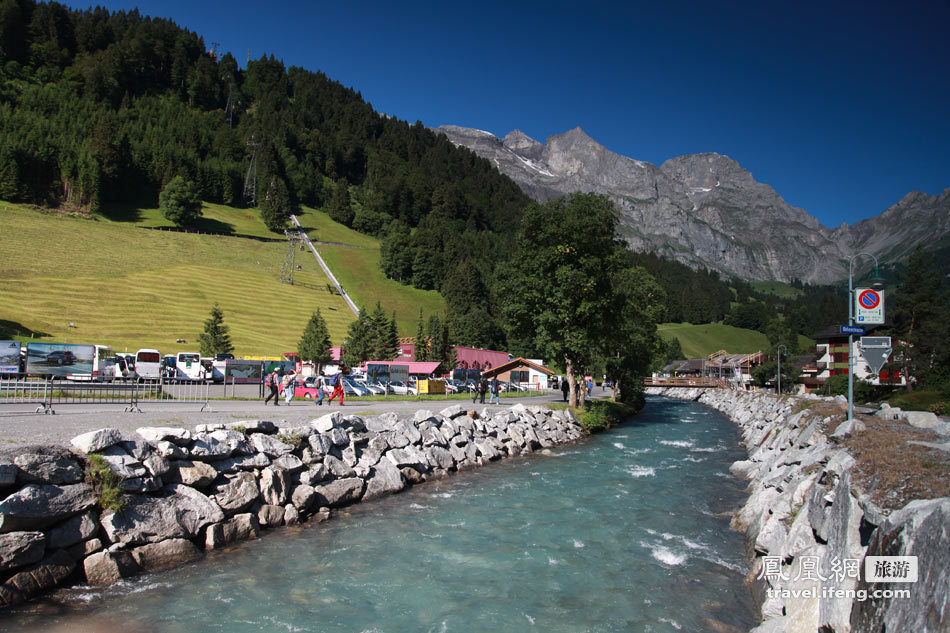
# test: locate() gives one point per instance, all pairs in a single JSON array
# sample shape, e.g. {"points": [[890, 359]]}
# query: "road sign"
{"points": [[868, 306], [875, 350], [850, 329]]}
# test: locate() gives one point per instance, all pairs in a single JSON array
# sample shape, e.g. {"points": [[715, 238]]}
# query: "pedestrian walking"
{"points": [[565, 388], [288, 383], [494, 387], [337, 387], [271, 382], [482, 390], [320, 393]]}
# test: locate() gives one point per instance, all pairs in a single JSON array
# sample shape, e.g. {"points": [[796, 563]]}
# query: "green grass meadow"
{"points": [[129, 287], [702, 340]]}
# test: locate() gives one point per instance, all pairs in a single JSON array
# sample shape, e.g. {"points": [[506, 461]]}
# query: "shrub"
{"points": [[600, 415], [294, 440], [105, 483]]}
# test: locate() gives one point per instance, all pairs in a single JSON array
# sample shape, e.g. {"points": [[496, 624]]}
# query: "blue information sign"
{"points": [[851, 329]]}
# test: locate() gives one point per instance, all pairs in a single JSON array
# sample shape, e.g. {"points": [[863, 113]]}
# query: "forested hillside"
{"points": [[101, 110]]}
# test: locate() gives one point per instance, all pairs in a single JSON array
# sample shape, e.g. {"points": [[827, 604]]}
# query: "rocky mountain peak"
{"points": [[705, 210], [518, 141]]}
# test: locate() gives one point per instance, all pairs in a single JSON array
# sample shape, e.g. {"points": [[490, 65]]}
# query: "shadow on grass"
{"points": [[9, 329], [120, 213]]}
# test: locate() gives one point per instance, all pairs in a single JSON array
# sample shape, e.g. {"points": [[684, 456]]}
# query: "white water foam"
{"points": [[419, 506], [695, 460], [530, 619], [578, 544], [619, 445], [678, 443], [641, 471], [710, 449], [673, 623], [665, 555], [637, 451]]}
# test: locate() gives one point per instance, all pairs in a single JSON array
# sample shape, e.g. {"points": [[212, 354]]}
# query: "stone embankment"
{"points": [[184, 492], [810, 528]]}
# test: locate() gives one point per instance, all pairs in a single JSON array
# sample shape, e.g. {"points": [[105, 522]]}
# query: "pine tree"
{"points": [[358, 346], [341, 208], [920, 323], [275, 205], [314, 344], [421, 345], [392, 339], [215, 339]]}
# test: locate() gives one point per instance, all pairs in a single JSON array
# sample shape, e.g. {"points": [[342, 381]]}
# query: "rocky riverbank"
{"points": [[810, 525], [114, 507]]}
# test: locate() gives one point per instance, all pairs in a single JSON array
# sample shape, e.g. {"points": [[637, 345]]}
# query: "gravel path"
{"points": [[21, 426]]}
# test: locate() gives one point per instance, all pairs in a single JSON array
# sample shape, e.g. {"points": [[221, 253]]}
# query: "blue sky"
{"points": [[843, 107]]}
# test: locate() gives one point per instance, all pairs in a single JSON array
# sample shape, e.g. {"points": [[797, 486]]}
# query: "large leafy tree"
{"points": [[559, 291], [179, 202], [314, 344], [216, 338], [628, 352]]}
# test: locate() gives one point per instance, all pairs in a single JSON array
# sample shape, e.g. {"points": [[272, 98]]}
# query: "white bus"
{"points": [[188, 366], [148, 364]]}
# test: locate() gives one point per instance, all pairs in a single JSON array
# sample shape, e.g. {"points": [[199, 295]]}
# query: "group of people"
{"points": [[285, 385], [483, 387]]}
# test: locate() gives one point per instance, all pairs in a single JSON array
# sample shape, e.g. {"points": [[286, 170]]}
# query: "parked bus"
{"points": [[188, 366], [148, 364]]}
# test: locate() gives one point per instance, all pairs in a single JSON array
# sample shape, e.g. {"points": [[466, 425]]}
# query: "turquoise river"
{"points": [[628, 531]]}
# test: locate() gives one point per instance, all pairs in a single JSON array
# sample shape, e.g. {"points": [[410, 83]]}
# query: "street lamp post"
{"points": [[876, 283], [778, 350]]}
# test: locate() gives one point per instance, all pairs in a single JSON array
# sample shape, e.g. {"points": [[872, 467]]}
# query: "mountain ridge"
{"points": [[705, 210]]}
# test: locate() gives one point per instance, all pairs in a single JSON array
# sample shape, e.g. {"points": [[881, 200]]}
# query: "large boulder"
{"points": [[35, 580], [270, 515], [75, 530], [37, 506], [240, 527], [18, 549], [338, 467], [165, 554], [919, 529], [384, 478], [270, 445], [106, 568], [242, 462], [238, 494], [154, 435], [275, 485], [57, 469], [177, 512], [95, 441], [123, 464], [194, 474], [303, 498], [8, 472], [326, 423], [339, 492], [212, 446], [408, 456]]}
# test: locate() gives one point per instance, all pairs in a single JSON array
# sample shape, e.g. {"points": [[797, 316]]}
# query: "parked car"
{"points": [[402, 389], [351, 388], [309, 388], [372, 389]]}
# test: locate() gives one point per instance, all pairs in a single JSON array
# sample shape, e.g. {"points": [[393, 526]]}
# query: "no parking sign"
{"points": [[868, 306]]}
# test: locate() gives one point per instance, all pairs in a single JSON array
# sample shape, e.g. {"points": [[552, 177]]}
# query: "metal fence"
{"points": [[46, 393]]}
